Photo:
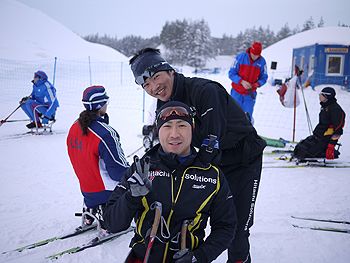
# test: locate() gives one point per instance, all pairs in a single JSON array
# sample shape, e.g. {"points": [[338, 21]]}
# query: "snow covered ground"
{"points": [[39, 192]]}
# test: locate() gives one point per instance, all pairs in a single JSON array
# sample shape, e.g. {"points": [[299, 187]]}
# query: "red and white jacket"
{"points": [[98, 160]]}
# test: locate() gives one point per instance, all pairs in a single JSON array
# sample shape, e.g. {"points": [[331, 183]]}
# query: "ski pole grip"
{"points": [[183, 234], [155, 223]]}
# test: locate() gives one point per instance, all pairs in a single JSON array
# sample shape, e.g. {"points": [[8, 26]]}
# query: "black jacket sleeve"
{"points": [[121, 206]]}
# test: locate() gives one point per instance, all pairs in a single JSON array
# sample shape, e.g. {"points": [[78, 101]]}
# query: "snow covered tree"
{"points": [[200, 44], [284, 32], [321, 23], [239, 43], [173, 38], [187, 42], [309, 24], [225, 45]]}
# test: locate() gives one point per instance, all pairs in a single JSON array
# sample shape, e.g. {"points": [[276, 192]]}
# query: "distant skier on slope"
{"points": [[327, 132], [43, 94]]}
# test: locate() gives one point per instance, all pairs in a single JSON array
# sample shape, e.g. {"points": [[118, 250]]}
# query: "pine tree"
{"points": [[284, 32], [321, 23], [309, 24]]}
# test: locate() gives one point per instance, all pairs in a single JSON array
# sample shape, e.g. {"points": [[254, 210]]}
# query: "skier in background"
{"points": [[95, 152], [43, 94], [223, 134], [248, 72], [327, 132]]}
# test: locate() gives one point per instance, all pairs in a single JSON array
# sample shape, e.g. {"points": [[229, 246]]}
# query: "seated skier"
{"points": [[43, 94], [327, 132]]}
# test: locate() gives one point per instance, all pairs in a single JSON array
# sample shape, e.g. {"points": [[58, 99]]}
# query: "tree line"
{"points": [[188, 42]]}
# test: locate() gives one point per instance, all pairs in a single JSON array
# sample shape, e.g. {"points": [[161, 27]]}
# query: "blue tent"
{"points": [[329, 64]]}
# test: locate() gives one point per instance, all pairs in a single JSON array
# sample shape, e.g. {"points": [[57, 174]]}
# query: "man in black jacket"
{"points": [[223, 134], [171, 174], [327, 132]]}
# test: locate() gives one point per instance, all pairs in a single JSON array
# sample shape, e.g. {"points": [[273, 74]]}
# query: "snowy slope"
{"points": [[39, 192], [29, 34]]}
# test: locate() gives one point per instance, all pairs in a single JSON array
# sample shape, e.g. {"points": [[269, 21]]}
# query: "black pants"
{"points": [[244, 185], [311, 147]]}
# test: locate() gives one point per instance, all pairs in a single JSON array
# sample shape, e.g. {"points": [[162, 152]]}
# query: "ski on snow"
{"points": [[329, 229], [278, 151], [79, 230], [322, 220], [94, 242]]}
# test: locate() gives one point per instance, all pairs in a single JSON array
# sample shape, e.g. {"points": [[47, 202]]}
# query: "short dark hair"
{"points": [[144, 50]]}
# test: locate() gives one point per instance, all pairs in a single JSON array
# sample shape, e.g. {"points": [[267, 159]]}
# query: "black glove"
{"points": [[24, 99], [140, 184], [184, 256], [209, 151]]}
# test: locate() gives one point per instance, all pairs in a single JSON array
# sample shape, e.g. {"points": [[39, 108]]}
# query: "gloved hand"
{"points": [[209, 152], [45, 120], [184, 256], [251, 92], [140, 184], [24, 99], [255, 85], [330, 151]]}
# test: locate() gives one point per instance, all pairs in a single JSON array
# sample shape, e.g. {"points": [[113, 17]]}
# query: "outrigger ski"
{"points": [[83, 228], [79, 230], [329, 229], [322, 220], [94, 242], [278, 151]]}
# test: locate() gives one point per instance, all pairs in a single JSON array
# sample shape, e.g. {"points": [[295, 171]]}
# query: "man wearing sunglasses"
{"points": [[327, 132], [188, 190], [221, 127]]}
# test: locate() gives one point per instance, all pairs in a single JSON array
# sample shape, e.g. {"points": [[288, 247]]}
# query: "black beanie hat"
{"points": [[173, 104], [150, 61], [328, 93]]}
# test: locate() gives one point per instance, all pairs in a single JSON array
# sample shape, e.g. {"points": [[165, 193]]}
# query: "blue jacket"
{"points": [[44, 93], [243, 68]]}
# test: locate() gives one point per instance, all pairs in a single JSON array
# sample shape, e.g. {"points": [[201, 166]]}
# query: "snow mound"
{"points": [[29, 34]]}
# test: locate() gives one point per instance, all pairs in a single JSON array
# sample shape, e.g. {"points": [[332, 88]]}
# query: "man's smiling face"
{"points": [[160, 85]]}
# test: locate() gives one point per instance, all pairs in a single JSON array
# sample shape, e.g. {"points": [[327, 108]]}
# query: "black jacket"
{"points": [[217, 113], [188, 191], [331, 122]]}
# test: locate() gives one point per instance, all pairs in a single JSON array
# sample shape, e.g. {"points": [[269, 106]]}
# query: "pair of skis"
{"points": [[329, 229], [100, 239]]}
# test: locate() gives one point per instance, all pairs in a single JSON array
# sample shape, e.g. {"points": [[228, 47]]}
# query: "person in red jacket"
{"points": [[95, 152], [327, 132], [248, 72]]}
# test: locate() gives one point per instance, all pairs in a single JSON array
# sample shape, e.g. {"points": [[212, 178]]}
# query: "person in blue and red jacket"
{"points": [[43, 94], [95, 151], [248, 72]]}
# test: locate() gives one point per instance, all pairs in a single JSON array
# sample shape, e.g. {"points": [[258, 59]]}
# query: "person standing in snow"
{"points": [[184, 188], [328, 130], [43, 94], [95, 152], [223, 134], [247, 73]]}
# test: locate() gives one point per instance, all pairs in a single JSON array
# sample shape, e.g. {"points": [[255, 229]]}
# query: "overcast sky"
{"points": [[146, 18]]}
